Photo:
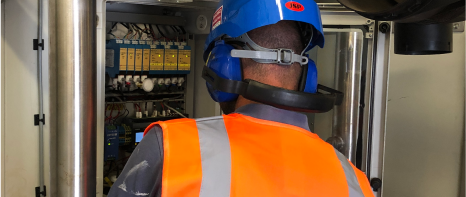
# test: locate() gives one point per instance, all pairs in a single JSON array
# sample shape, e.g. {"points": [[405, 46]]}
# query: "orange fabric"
{"points": [[182, 168], [281, 160], [268, 159], [363, 182]]}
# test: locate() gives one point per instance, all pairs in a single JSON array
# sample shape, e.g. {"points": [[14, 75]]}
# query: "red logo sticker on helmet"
{"points": [[294, 6], [217, 19]]}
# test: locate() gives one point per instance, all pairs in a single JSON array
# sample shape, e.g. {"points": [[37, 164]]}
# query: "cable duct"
{"points": [[41, 101]]}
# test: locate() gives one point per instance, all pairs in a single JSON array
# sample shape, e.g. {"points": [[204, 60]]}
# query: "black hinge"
{"points": [[36, 44], [37, 120], [38, 192]]}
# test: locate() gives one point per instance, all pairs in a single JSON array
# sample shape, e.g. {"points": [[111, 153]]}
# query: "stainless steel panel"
{"points": [[343, 50], [76, 97], [348, 81]]}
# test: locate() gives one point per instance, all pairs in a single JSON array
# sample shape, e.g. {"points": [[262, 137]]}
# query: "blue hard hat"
{"points": [[236, 17]]}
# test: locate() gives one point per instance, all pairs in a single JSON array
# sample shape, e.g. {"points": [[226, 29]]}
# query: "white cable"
{"points": [[166, 105]]}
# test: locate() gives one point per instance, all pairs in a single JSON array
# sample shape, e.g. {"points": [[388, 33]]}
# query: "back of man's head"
{"points": [[284, 34]]}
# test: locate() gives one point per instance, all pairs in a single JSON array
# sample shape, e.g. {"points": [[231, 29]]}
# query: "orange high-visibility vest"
{"points": [[241, 156]]}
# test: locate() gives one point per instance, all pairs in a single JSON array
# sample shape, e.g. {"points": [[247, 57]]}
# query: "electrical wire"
{"points": [[179, 113], [111, 29], [182, 29], [138, 106], [152, 32], [125, 25], [121, 121], [174, 29], [111, 114], [160, 31]]}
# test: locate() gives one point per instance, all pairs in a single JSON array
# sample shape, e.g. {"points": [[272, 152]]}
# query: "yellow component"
{"points": [[109, 182], [156, 59], [171, 60], [123, 58], [131, 62], [138, 60], [146, 60], [184, 60]]}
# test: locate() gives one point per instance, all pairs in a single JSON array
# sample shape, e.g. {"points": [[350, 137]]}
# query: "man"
{"points": [[257, 149]]}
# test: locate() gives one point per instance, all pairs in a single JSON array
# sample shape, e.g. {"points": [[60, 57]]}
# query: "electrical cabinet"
{"points": [[149, 76]]}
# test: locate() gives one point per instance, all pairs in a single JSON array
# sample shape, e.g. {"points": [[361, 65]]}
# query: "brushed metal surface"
{"points": [[348, 80], [76, 97]]}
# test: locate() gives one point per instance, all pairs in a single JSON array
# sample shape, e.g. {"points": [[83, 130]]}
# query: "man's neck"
{"points": [[241, 101]]}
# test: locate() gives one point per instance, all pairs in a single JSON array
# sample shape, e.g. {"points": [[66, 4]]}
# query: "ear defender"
{"points": [[311, 77], [225, 66]]}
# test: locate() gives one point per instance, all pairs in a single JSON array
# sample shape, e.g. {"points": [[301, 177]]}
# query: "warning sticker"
{"points": [[217, 20]]}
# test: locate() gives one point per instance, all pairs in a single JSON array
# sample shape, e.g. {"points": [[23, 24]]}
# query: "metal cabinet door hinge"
{"points": [[38, 192], [36, 44], [37, 120]]}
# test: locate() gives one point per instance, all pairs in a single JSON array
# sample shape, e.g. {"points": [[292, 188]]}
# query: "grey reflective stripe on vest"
{"points": [[215, 157], [353, 184]]}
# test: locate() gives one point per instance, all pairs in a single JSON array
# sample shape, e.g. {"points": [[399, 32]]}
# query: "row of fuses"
{"points": [[131, 83], [133, 57]]}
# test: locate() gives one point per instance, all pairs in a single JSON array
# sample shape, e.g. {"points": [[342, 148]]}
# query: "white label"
{"points": [[119, 41], [135, 42], [127, 41], [142, 42], [180, 47]]}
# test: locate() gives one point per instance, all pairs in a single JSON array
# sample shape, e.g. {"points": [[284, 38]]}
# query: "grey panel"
{"points": [[425, 124]]}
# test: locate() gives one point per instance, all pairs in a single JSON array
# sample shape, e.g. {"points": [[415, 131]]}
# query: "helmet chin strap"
{"points": [[264, 55]]}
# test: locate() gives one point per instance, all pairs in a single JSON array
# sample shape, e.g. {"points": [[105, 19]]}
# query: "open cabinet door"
{"points": [[355, 62]]}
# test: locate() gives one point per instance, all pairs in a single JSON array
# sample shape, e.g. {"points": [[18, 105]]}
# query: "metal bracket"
{"points": [[37, 120], [370, 31], [38, 192], [36, 44], [458, 27]]}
